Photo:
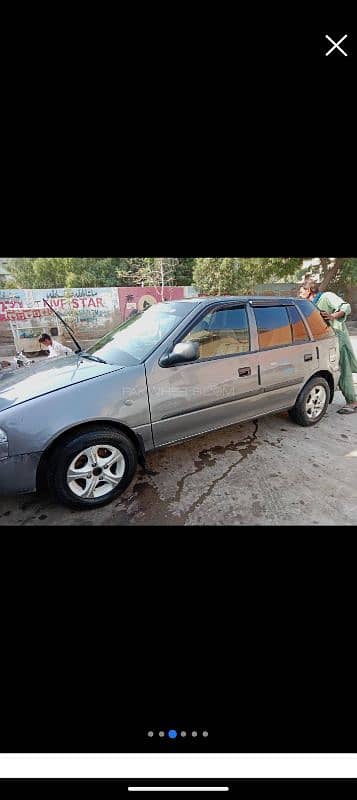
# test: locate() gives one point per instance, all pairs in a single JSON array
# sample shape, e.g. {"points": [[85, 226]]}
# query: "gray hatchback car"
{"points": [[179, 369]]}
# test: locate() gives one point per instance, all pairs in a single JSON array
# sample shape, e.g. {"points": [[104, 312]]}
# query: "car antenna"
{"points": [[65, 325]]}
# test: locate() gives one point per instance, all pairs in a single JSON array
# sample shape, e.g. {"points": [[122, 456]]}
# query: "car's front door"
{"points": [[219, 389]]}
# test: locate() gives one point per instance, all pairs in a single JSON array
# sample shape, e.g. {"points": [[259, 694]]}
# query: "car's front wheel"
{"points": [[312, 402], [92, 468]]}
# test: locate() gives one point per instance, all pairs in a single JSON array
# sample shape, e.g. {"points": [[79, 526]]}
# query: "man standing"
{"points": [[335, 310], [55, 348]]}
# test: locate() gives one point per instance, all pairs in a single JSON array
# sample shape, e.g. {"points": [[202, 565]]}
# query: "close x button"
{"points": [[336, 41]]}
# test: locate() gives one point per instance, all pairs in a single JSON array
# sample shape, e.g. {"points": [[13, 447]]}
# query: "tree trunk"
{"points": [[330, 271]]}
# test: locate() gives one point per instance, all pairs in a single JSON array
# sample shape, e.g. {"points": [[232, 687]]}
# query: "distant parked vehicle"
{"points": [[178, 370]]}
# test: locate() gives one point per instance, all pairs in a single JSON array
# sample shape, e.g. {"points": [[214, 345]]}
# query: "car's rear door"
{"points": [[287, 356], [220, 388]]}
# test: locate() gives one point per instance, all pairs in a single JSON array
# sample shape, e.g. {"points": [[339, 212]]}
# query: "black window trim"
{"points": [[272, 302], [301, 341]]}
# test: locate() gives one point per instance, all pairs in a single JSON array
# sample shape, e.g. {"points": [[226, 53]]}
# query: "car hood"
{"points": [[25, 383]]}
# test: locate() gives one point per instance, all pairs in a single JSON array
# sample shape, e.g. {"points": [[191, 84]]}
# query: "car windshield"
{"points": [[135, 339]]}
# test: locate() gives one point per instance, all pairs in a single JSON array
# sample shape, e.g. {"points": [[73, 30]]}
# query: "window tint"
{"points": [[221, 333], [298, 328], [319, 328], [273, 327]]}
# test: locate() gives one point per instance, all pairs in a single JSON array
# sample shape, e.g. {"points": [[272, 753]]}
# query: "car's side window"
{"points": [[273, 324], [298, 327], [222, 332], [319, 328]]}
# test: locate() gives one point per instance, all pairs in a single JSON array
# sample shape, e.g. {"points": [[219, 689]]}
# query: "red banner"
{"points": [[18, 315]]}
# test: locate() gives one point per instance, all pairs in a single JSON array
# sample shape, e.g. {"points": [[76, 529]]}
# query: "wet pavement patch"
{"points": [[245, 447]]}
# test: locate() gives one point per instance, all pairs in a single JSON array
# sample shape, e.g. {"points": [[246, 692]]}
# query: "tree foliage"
{"points": [[157, 272], [210, 275], [184, 271], [338, 274], [243, 275], [240, 275], [45, 273], [149, 271]]}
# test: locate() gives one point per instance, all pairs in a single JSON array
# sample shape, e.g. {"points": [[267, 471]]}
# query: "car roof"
{"points": [[236, 298]]}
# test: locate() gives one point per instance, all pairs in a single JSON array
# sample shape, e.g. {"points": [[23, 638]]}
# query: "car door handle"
{"points": [[244, 371], [308, 357]]}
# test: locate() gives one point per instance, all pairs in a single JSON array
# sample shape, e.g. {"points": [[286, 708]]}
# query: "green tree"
{"points": [[45, 273], [125, 270], [38, 273], [334, 272], [184, 271], [239, 275], [22, 273], [133, 271], [242, 275], [340, 275], [147, 271], [157, 272], [210, 275], [103, 271], [216, 275]]}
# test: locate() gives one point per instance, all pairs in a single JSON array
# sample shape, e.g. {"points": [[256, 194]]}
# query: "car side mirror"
{"points": [[181, 353]]}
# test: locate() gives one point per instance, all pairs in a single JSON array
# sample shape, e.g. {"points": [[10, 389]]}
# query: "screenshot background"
{"points": [[246, 635]]}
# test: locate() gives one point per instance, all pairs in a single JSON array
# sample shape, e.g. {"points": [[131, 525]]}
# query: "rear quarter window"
{"points": [[319, 328]]}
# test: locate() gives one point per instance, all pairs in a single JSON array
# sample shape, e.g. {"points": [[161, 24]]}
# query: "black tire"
{"points": [[66, 453], [299, 413]]}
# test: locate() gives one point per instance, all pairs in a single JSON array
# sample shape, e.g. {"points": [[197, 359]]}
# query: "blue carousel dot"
{"points": [[172, 734]]}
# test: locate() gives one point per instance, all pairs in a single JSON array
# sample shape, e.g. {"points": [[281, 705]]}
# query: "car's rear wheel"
{"points": [[93, 468], [312, 402]]}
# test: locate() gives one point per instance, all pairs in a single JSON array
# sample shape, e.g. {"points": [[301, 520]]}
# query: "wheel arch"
{"points": [[324, 373], [41, 476]]}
